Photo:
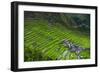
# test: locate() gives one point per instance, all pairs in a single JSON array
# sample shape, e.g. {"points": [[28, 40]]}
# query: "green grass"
{"points": [[41, 42]]}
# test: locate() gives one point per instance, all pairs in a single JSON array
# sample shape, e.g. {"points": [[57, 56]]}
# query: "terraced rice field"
{"points": [[41, 41]]}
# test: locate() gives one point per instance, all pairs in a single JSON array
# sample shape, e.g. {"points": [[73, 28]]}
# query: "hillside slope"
{"points": [[41, 41]]}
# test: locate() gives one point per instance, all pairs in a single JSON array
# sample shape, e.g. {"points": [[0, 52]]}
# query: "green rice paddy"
{"points": [[41, 41]]}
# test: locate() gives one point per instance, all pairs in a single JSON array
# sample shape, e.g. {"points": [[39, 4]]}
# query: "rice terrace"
{"points": [[56, 36]]}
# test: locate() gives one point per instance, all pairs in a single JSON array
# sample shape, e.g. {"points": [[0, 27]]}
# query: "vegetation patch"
{"points": [[56, 36]]}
